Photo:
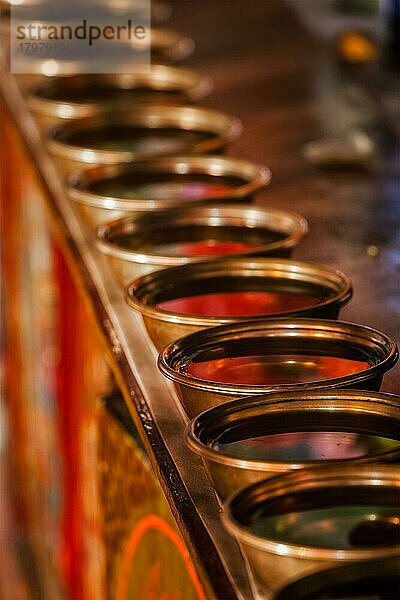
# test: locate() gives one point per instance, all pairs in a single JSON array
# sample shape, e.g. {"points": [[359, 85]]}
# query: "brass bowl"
{"points": [[375, 580], [231, 438], [139, 245], [59, 99], [283, 338], [322, 291], [296, 524], [165, 131], [105, 193]]}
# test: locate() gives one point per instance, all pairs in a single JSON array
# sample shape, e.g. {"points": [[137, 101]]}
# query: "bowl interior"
{"points": [[237, 295], [164, 186], [196, 240], [280, 359], [130, 137], [295, 435], [333, 516], [92, 89], [379, 580]]}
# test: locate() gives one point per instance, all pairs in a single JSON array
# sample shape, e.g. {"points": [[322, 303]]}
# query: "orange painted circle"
{"points": [[156, 523]]}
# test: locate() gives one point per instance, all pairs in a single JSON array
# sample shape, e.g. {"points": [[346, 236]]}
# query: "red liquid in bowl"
{"points": [[184, 190], [202, 248], [274, 369], [232, 304]]}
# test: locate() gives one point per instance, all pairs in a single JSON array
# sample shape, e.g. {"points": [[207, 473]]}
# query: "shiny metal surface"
{"points": [[57, 99], [142, 257], [276, 562], [220, 130], [89, 187], [198, 395], [241, 274], [338, 410]]}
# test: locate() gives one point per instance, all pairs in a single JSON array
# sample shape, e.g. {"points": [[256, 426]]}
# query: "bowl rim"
{"points": [[258, 177], [200, 213], [356, 401], [284, 268], [326, 476], [232, 211], [222, 128], [292, 327], [193, 85]]}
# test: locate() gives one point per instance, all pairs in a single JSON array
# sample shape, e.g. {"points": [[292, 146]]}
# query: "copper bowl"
{"points": [[318, 291], [139, 245], [106, 193], [297, 524], [110, 139], [251, 439], [375, 580], [282, 347], [57, 99]]}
